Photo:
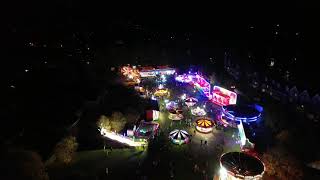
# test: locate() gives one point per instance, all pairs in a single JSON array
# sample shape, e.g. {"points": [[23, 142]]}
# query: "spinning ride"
{"points": [[238, 165], [204, 125], [179, 136]]}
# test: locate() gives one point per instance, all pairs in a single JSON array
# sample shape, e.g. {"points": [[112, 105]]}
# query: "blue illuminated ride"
{"points": [[236, 113]]}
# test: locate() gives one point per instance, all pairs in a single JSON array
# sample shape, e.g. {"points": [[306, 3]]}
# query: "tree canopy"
{"points": [[115, 122], [65, 149], [281, 165]]}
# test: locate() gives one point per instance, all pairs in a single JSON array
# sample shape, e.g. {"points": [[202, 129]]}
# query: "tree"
{"points": [[22, 164], [115, 122], [104, 122], [118, 121], [65, 150], [280, 164]]}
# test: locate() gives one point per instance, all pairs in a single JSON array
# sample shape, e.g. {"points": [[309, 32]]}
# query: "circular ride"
{"points": [[190, 101], [179, 136], [171, 105], [246, 114], [175, 114], [204, 125], [238, 165], [161, 93], [198, 111]]}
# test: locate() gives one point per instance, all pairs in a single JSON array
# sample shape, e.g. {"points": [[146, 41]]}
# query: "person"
{"points": [[205, 142], [107, 171], [201, 142]]}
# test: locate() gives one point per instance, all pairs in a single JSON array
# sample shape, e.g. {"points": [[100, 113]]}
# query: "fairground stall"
{"points": [[223, 97], [150, 71], [204, 125], [179, 136], [146, 130], [152, 115], [238, 165]]}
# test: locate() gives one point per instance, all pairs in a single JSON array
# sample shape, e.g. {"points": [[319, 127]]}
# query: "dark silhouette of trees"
{"points": [[22, 164]]}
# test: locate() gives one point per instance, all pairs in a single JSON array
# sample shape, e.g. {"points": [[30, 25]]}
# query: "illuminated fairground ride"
{"points": [[191, 101], [198, 111], [236, 113], [175, 114], [238, 166], [223, 97], [179, 136], [171, 105], [162, 93], [204, 125], [131, 73], [197, 81]]}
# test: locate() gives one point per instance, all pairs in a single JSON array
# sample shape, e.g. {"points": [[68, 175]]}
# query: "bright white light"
{"points": [[184, 96], [160, 86], [26, 70], [12, 86], [122, 139], [271, 63], [155, 115], [223, 173], [166, 100]]}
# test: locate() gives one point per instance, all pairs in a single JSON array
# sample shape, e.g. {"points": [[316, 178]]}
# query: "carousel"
{"points": [[191, 101], [198, 111], [238, 165], [204, 125], [179, 136]]}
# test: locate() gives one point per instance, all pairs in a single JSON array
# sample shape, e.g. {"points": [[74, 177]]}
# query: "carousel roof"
{"points": [[179, 134], [205, 123], [242, 164]]}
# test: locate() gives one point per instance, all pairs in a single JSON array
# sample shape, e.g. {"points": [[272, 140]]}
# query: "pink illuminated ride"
{"points": [[197, 81], [223, 97]]}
